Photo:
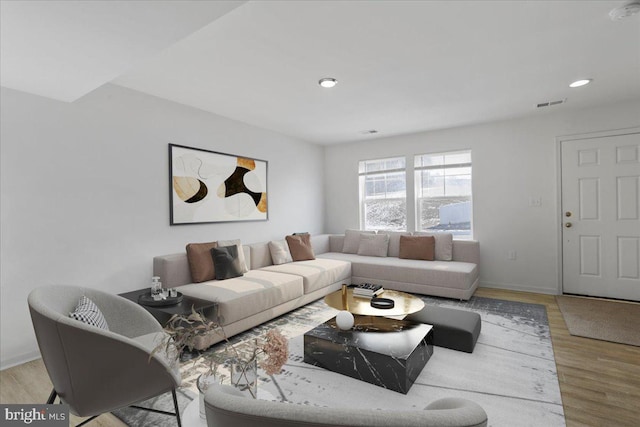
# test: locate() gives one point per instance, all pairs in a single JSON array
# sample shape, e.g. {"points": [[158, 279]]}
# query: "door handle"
{"points": [[568, 225]]}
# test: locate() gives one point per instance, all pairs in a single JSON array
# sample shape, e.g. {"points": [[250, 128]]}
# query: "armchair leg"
{"points": [[175, 404], [52, 396], [88, 420], [158, 411]]}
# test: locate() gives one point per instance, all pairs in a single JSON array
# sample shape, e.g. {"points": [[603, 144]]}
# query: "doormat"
{"points": [[606, 320]]}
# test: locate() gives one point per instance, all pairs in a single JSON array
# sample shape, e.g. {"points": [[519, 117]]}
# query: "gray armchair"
{"points": [[226, 406], [93, 370]]}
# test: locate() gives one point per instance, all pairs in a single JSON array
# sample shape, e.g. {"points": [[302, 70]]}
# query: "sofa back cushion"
{"points": [[394, 241], [320, 243], [336, 242], [352, 240]]}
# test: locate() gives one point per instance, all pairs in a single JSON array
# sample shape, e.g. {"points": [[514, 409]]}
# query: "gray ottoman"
{"points": [[455, 329]]}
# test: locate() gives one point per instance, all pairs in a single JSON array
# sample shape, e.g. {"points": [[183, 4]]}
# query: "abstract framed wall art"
{"points": [[207, 186]]}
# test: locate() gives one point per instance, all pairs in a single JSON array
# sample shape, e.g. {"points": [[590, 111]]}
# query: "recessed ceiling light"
{"points": [[327, 82], [579, 83]]}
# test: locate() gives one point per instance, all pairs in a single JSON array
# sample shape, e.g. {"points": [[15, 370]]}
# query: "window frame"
{"points": [[362, 178], [418, 195]]}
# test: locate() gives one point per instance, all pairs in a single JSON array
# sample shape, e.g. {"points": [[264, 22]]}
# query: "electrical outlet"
{"points": [[512, 255]]}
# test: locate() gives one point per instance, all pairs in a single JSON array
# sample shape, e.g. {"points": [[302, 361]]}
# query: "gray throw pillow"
{"points": [[373, 245], [227, 262], [394, 241], [243, 263]]}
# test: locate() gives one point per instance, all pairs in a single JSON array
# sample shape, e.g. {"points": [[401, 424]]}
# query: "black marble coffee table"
{"points": [[386, 352]]}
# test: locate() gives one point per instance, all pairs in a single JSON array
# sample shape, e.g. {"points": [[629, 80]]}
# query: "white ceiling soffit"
{"points": [[65, 49], [401, 66]]}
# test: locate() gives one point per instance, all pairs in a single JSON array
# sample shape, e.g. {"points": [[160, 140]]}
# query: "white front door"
{"points": [[601, 216]]}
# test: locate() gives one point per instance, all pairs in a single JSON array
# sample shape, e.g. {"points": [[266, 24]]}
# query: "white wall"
{"points": [[85, 193], [512, 161]]}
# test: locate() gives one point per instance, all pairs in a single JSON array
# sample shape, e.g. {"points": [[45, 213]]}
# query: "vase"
{"points": [[203, 382], [244, 376]]}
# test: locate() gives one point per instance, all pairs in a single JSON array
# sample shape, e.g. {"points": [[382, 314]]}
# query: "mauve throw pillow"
{"points": [[226, 262], [300, 247], [417, 247], [200, 261], [373, 245], [444, 244]]}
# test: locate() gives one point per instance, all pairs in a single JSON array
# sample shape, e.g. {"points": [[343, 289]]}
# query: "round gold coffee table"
{"points": [[404, 303]]}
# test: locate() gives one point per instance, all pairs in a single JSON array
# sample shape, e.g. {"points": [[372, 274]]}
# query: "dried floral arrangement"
{"points": [[181, 332]]}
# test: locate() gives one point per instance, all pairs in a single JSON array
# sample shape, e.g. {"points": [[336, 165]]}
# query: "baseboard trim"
{"points": [[519, 288], [19, 360]]}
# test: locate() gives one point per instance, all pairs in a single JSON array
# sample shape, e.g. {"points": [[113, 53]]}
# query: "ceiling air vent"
{"points": [[552, 103]]}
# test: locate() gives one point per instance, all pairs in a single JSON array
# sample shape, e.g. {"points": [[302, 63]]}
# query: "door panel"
{"points": [[601, 216]]}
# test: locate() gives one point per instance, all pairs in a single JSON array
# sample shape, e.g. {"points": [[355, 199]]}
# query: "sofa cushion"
{"points": [[200, 261], [417, 247], [300, 247], [241, 297], [226, 262], [444, 244], [352, 240], [279, 250], [243, 262], [394, 241], [452, 274], [373, 244], [316, 274]]}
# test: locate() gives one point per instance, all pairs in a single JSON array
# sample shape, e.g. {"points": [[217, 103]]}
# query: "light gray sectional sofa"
{"points": [[267, 291]]}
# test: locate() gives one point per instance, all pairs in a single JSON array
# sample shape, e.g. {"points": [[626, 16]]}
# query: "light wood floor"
{"points": [[599, 381]]}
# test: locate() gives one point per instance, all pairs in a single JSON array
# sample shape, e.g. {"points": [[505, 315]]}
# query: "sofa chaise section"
{"points": [[458, 278]]}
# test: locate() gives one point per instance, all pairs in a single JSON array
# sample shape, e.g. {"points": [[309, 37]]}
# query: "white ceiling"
{"points": [[65, 49], [402, 67]]}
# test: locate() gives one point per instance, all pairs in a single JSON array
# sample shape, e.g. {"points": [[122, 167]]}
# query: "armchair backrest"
{"points": [[95, 370]]}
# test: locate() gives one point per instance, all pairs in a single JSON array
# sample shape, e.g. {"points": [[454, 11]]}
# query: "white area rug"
{"points": [[511, 373]]}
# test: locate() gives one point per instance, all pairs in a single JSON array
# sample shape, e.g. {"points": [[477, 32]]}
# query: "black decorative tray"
{"points": [[147, 299], [383, 303]]}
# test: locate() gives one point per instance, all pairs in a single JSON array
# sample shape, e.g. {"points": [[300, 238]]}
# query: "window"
{"points": [[443, 193], [383, 194]]}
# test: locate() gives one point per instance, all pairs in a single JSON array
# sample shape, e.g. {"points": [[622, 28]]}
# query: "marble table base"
{"points": [[385, 352]]}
